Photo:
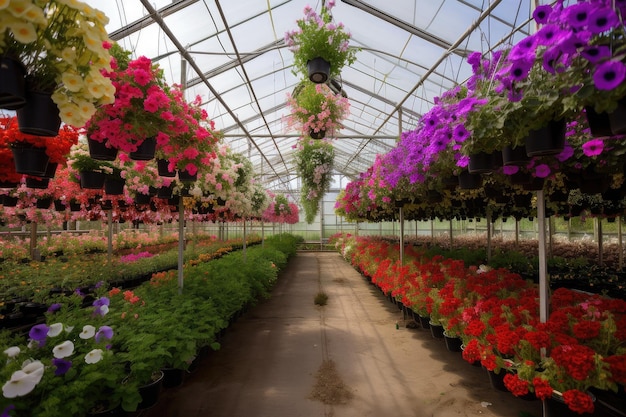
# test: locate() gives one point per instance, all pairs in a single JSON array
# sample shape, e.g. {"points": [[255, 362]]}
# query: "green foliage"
{"points": [[321, 299], [326, 40], [314, 163]]}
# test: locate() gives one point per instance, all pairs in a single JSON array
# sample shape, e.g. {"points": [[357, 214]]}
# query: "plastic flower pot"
{"points": [[100, 150], [145, 151], [30, 160], [39, 116], [12, 93], [319, 70], [546, 141]]}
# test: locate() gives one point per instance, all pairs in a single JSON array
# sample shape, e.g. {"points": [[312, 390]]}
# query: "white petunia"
{"points": [[55, 329], [63, 350], [94, 356], [12, 352], [24, 381], [88, 332]]}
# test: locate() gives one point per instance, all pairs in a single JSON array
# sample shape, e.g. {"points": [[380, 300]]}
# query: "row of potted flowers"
{"points": [[496, 314], [557, 82], [38, 281], [83, 359]]}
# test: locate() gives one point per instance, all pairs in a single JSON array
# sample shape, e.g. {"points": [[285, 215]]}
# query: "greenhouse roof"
{"points": [[232, 54]]}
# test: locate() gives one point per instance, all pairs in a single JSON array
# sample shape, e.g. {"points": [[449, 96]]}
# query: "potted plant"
{"points": [[320, 47], [60, 49], [314, 163], [37, 155], [90, 172], [590, 68], [191, 144], [141, 116], [316, 110]]}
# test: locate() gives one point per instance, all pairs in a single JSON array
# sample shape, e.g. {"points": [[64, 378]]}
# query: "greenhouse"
{"points": [[335, 208]]}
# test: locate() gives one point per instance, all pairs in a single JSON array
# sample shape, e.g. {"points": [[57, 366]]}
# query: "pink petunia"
{"points": [[594, 147]]}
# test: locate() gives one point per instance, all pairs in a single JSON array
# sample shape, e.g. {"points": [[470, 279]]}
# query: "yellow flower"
{"points": [[68, 54], [23, 32], [69, 112], [72, 81]]}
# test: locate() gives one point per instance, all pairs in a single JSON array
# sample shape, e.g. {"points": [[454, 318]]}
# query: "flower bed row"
{"points": [[83, 358], [496, 314], [31, 286]]}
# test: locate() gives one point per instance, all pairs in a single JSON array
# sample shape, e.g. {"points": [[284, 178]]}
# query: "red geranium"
{"points": [[514, 384], [543, 390], [577, 360], [578, 401]]}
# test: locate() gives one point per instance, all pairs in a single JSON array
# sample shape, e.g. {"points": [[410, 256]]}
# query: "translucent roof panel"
{"points": [[411, 52]]}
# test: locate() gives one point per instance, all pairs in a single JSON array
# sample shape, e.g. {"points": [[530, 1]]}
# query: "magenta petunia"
{"points": [[566, 153], [542, 171], [510, 169], [609, 75], [593, 147]]}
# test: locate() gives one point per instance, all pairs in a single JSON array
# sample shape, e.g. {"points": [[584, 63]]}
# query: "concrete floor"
{"points": [[269, 357]]}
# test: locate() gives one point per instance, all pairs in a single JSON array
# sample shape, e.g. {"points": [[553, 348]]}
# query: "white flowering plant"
{"points": [[64, 366], [314, 163], [62, 46]]}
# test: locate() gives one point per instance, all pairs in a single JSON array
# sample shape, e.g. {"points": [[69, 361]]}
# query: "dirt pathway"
{"points": [[270, 358]]}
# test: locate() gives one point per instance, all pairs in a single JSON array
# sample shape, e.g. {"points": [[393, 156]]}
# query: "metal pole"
{"points": [[619, 242], [600, 242], [244, 239], [33, 240], [401, 215], [516, 233], [451, 234], [110, 235], [181, 242], [488, 236], [543, 279]]}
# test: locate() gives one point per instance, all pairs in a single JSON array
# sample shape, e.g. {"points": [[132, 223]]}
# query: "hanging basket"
{"points": [[480, 163], [317, 135], [39, 116], [145, 151], [43, 203], [165, 192], [617, 118], [184, 176], [92, 180], [9, 201], [162, 167], [12, 93], [9, 184], [142, 198], [100, 150], [469, 181], [37, 182], [549, 140], [599, 123], [30, 160], [514, 156], [319, 70], [114, 186], [51, 170]]}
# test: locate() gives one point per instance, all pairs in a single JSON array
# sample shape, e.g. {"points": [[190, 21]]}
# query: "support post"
{"points": [[401, 215], [181, 241], [600, 242], [619, 243], [109, 235], [489, 226]]}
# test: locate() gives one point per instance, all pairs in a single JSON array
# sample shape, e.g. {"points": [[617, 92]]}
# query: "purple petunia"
{"points": [[602, 19], [510, 169], [524, 49], [520, 68], [62, 366], [593, 147], [104, 332], [5, 412], [577, 15], [548, 35], [541, 14], [39, 332], [54, 307], [609, 75], [596, 53]]}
